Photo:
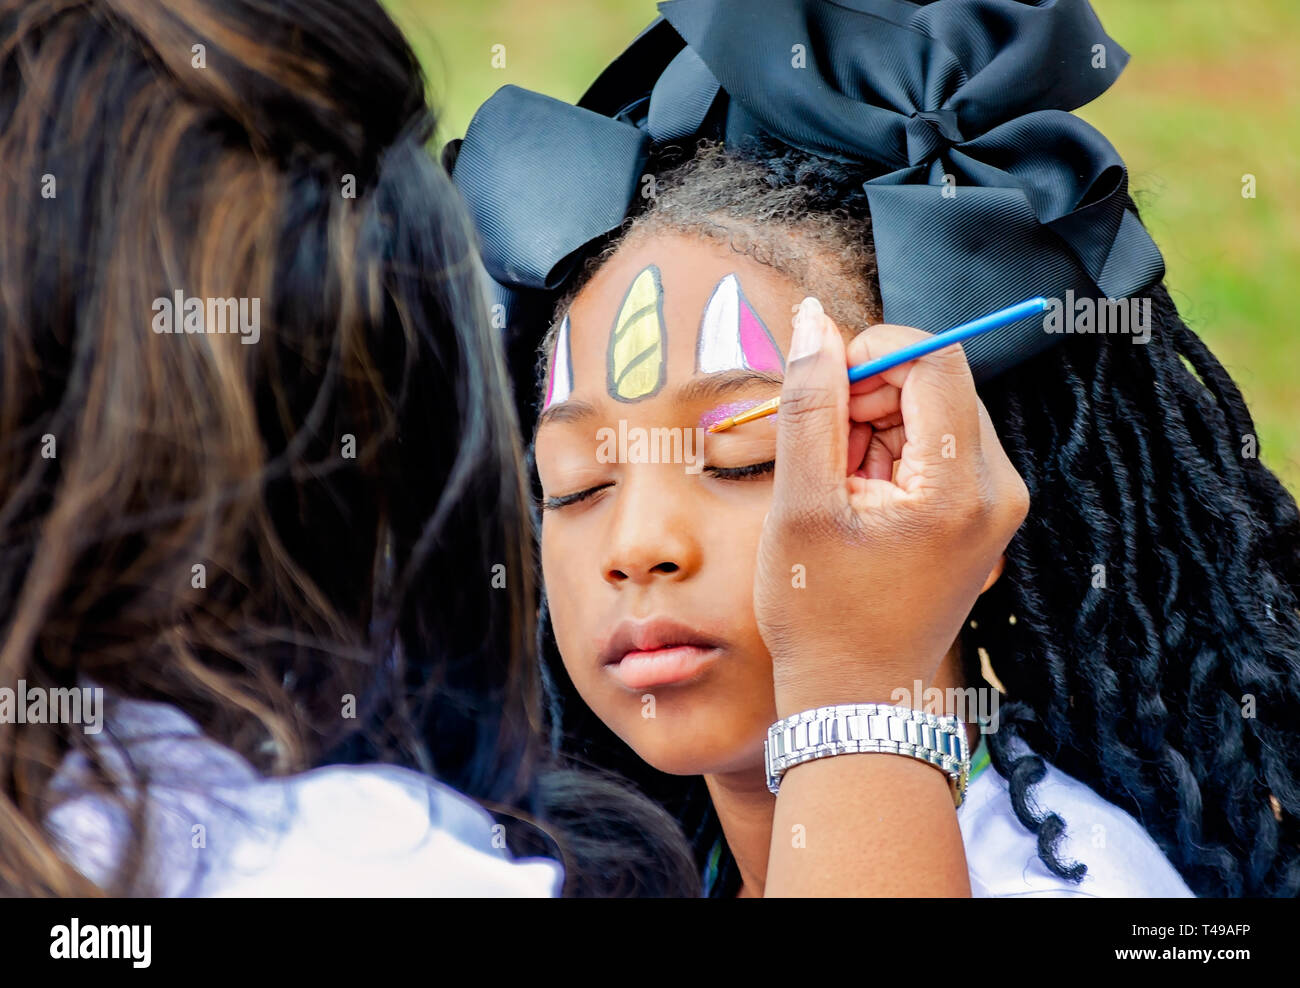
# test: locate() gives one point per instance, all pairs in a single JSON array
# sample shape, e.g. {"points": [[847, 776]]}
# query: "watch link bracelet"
{"points": [[869, 727]]}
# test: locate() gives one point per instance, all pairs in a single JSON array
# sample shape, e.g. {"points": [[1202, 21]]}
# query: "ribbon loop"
{"points": [[542, 179], [681, 98], [983, 188]]}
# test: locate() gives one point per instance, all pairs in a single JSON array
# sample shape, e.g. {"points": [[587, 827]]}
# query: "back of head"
{"points": [[256, 454]]}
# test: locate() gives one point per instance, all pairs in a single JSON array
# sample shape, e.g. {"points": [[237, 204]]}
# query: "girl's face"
{"points": [[651, 524]]}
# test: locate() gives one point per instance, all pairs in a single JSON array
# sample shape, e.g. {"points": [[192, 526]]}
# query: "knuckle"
{"points": [[804, 399], [1018, 501], [882, 338], [951, 364], [977, 512], [977, 509]]}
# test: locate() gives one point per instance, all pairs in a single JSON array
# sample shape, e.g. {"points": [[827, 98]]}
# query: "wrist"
{"points": [[869, 728], [854, 680]]}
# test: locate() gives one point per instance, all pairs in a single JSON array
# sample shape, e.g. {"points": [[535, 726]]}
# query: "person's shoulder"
{"points": [[216, 827], [382, 830], [1122, 860]]}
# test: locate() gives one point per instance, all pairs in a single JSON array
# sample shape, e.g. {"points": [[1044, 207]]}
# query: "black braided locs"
{"points": [[1155, 649]]}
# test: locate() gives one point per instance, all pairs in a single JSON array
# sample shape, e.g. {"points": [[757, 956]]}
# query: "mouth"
{"points": [[659, 652]]}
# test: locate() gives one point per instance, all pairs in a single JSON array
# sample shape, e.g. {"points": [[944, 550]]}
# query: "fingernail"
{"points": [[808, 322]]}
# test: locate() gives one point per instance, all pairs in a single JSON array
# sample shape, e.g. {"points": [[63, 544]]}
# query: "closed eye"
{"points": [[564, 500], [747, 472], [742, 473]]}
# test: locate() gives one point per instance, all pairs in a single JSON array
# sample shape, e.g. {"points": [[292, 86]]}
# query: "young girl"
{"points": [[1142, 626]]}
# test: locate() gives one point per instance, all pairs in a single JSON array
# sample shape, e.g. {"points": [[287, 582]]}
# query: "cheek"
{"points": [[571, 625], [558, 577]]}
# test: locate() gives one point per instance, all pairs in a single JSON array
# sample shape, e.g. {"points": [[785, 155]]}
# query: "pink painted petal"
{"points": [[760, 352]]}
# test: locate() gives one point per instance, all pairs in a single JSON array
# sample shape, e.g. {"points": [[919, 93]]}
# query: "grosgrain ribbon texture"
{"points": [[971, 96]]}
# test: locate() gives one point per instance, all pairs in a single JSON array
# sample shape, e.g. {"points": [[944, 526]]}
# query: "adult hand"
{"points": [[892, 503]]}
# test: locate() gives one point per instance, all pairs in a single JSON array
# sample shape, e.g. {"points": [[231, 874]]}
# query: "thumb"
{"points": [[813, 424]]}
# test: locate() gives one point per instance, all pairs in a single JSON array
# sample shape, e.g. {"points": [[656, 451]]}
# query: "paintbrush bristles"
{"points": [[757, 412]]}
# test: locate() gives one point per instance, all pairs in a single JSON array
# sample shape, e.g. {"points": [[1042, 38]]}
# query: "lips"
{"points": [[659, 652]]}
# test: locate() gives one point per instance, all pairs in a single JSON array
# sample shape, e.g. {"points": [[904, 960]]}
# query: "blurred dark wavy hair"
{"points": [[332, 569]]}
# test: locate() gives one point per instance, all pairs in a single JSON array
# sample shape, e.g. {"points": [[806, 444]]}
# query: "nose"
{"points": [[651, 535]]}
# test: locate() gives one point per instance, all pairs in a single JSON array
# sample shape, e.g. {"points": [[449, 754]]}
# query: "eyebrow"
{"points": [[705, 387], [569, 410], [724, 384]]}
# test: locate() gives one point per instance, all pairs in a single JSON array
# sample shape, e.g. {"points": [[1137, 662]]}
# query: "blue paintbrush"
{"points": [[976, 327]]}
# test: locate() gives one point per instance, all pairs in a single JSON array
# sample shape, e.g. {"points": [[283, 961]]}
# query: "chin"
{"points": [[696, 746], [682, 763]]}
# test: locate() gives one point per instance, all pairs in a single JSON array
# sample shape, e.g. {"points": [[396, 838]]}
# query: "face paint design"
{"points": [[561, 383], [637, 341], [732, 337], [728, 410]]}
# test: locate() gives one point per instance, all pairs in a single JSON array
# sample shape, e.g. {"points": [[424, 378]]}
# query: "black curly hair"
{"points": [[1145, 629]]}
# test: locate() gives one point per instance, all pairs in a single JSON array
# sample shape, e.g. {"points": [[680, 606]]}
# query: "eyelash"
{"points": [[742, 473], [564, 500], [747, 472]]}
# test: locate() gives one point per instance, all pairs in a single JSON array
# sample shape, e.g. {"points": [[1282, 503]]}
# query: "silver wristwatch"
{"points": [[869, 727]]}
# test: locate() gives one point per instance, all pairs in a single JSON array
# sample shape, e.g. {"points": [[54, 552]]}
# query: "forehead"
{"points": [[685, 272]]}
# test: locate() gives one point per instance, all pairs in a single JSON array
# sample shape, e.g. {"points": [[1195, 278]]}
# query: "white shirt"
{"points": [[1002, 856], [218, 828]]}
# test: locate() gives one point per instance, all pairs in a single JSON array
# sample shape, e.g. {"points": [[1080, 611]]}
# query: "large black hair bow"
{"points": [[984, 189]]}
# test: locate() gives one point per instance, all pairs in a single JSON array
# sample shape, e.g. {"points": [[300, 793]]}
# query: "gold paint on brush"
{"points": [[757, 412]]}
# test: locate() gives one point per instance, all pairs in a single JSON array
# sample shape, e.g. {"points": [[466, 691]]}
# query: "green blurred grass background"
{"points": [[1212, 93]]}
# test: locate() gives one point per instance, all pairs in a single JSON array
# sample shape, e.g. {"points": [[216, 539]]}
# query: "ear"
{"points": [[994, 573]]}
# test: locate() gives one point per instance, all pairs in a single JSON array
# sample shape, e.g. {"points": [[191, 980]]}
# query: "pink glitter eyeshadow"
{"points": [[723, 411]]}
